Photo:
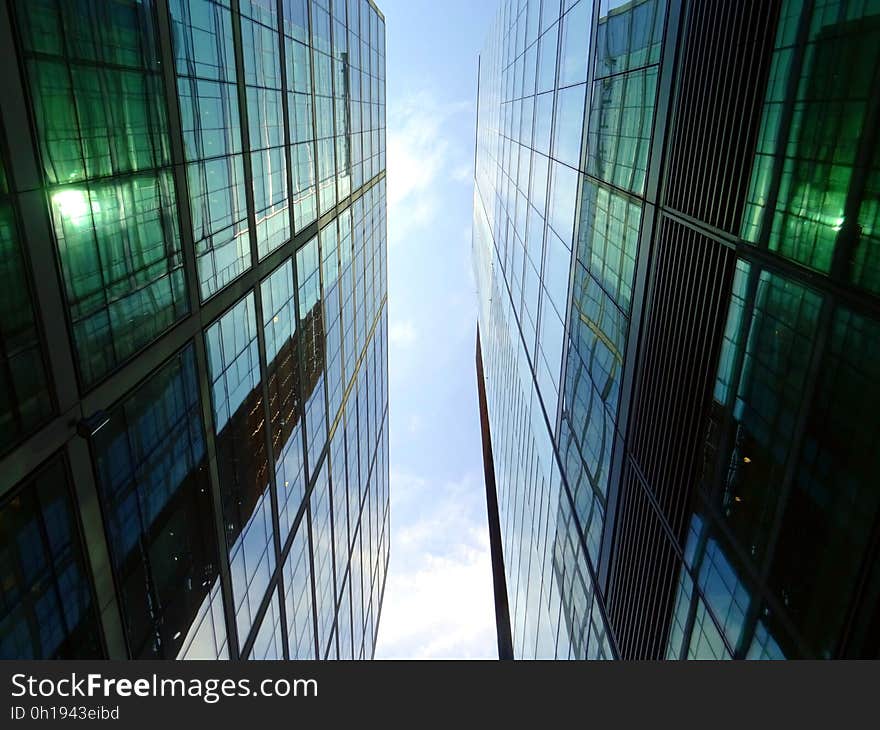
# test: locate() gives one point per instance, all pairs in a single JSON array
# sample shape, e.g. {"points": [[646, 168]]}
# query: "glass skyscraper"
{"points": [[676, 247], [193, 329]]}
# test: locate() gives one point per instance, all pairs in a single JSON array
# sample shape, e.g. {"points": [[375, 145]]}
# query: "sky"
{"points": [[438, 596]]}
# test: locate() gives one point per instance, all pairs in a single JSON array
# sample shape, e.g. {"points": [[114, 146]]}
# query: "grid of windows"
{"points": [[237, 441], [743, 519], [311, 322], [153, 482], [298, 598], [24, 396], [209, 117], [773, 342], [301, 123], [282, 338], [47, 611], [268, 645], [815, 207], [237, 397], [564, 129], [262, 77], [101, 119], [792, 451]]}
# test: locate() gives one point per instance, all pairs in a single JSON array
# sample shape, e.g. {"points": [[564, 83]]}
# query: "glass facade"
{"points": [[204, 60], [48, 608], [207, 179], [102, 126], [153, 482], [24, 390], [725, 468]]}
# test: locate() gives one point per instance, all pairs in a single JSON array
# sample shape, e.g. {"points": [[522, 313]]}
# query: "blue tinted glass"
{"points": [[153, 481], [47, 611], [237, 400]]}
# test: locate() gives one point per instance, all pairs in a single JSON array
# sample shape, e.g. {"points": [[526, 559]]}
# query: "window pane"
{"points": [[298, 597], [237, 400], [285, 398], [24, 396], [152, 474], [262, 73], [312, 347], [619, 132], [629, 35], [209, 111], [101, 120], [47, 610]]}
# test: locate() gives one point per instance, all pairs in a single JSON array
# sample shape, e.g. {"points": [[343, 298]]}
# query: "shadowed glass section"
{"points": [[774, 341], [815, 176], [832, 510], [46, 605], [153, 482], [346, 292], [716, 615], [101, 122], [24, 393], [308, 275], [791, 458], [329, 245]]}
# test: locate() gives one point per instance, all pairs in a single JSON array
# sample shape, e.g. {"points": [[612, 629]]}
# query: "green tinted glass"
{"points": [[24, 398], [99, 109], [619, 133], [813, 189]]}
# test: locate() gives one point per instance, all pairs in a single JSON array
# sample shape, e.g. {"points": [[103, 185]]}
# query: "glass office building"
{"points": [[676, 247], [193, 329]]}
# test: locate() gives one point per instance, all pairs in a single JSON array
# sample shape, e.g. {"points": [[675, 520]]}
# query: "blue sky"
{"points": [[438, 598]]}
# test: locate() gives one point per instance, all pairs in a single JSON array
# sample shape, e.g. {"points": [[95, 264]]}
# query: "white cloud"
{"points": [[442, 611], [402, 333], [438, 602], [419, 155], [463, 173]]}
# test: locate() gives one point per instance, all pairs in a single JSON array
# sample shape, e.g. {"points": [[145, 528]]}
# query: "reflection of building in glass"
{"points": [[193, 424], [676, 253]]}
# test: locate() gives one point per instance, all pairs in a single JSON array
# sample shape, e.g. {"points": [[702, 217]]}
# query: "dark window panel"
{"points": [[153, 480], [24, 392], [47, 609]]}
